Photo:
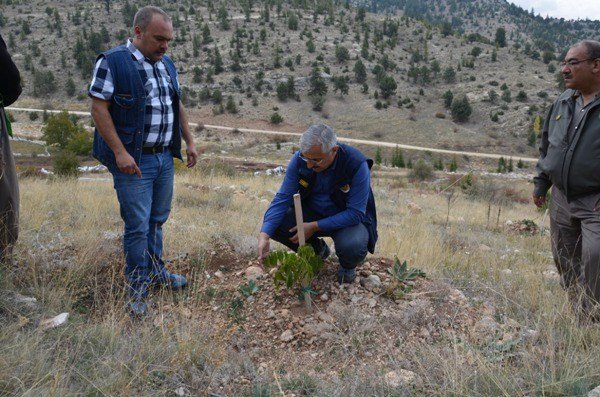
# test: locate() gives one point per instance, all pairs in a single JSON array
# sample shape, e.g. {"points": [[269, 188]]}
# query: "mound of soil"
{"points": [[357, 325]]}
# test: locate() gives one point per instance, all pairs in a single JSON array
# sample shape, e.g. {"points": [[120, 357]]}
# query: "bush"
{"points": [[317, 102], [60, 130], [81, 143], [43, 83], [33, 116], [66, 163], [231, 106], [421, 171], [448, 97], [461, 109], [276, 118], [70, 87]]}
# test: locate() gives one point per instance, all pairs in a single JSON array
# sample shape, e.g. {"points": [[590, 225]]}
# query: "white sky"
{"points": [[568, 9]]}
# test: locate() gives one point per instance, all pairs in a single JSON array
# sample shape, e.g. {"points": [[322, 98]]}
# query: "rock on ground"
{"points": [[401, 377]]}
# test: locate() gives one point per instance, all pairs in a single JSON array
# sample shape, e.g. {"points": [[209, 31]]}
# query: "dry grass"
{"points": [[68, 257]]}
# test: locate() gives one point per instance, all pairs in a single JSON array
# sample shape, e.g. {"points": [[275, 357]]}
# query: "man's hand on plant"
{"points": [[309, 229], [127, 164], [539, 201], [263, 247]]}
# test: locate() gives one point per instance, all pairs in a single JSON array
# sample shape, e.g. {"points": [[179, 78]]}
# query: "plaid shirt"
{"points": [[158, 128]]}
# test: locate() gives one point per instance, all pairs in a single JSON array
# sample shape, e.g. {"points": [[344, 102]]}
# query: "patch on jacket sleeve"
{"points": [[303, 183], [558, 117], [345, 188]]}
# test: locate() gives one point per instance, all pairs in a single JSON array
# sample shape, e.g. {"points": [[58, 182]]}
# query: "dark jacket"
{"points": [[348, 160], [10, 83], [573, 167], [128, 108]]}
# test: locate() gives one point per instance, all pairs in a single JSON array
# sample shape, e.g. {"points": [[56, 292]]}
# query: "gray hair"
{"points": [[318, 134], [145, 14], [592, 48]]}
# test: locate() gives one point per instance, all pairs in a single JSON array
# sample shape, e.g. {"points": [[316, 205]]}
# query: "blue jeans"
{"points": [[350, 242], [145, 205]]}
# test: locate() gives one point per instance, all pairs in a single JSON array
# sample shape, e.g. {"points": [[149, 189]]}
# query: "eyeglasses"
{"points": [[316, 162], [574, 62]]}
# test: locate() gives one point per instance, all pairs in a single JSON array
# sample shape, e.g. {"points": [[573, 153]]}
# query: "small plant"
{"points": [[295, 269], [276, 118], [403, 277], [249, 289], [234, 310]]}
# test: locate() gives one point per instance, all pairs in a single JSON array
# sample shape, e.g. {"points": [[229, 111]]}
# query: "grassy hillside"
{"points": [[233, 56]]}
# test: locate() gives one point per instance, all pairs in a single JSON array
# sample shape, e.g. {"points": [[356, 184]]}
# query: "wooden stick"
{"points": [[299, 219], [301, 242]]}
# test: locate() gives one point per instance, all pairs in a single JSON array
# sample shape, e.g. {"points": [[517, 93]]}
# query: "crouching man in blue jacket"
{"points": [[334, 183]]}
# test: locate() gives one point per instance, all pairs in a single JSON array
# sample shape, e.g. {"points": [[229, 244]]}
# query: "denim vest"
{"points": [[128, 107], [349, 161]]}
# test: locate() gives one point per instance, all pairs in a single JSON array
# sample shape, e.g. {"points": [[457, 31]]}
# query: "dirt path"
{"points": [[348, 140]]}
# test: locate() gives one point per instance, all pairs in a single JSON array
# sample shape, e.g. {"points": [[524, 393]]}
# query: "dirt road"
{"points": [[342, 139]]}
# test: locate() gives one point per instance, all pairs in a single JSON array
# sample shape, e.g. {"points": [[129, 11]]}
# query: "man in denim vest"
{"points": [[140, 122], [334, 182]]}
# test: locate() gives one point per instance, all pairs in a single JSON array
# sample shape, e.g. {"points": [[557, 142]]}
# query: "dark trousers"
{"points": [[9, 195], [350, 242], [575, 232]]}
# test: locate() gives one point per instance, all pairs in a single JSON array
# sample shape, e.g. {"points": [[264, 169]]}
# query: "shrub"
{"points": [[521, 96], [461, 109], [448, 97], [317, 101], [276, 118], [230, 106], [43, 83], [70, 87], [60, 130], [421, 171], [66, 163], [81, 143]]}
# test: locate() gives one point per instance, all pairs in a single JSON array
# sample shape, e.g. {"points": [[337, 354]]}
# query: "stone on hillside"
{"points": [[485, 329], [219, 274], [55, 321], [401, 378], [371, 303], [484, 248], [414, 208], [286, 336], [371, 282], [22, 301], [324, 297], [254, 273]]}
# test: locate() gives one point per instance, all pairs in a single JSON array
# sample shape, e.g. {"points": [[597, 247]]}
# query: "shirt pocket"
{"points": [[124, 101]]}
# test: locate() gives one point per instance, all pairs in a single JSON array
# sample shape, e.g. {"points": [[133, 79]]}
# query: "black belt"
{"points": [[153, 149]]}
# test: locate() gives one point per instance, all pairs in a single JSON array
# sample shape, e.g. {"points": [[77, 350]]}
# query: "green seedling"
{"points": [[403, 278], [249, 289], [295, 269]]}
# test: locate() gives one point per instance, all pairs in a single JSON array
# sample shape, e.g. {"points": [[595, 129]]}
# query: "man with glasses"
{"points": [[570, 164], [334, 182]]}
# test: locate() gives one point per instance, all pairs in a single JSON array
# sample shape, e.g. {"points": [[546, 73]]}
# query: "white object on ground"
{"points": [[55, 321]]}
